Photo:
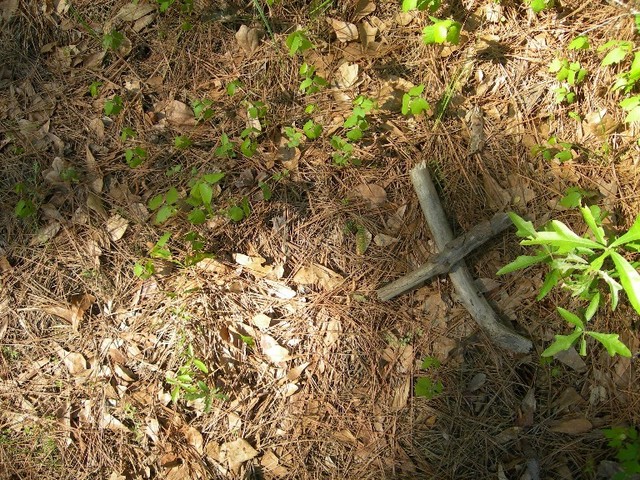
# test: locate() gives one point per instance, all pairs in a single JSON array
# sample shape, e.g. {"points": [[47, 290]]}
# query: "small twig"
{"points": [[460, 276], [454, 251]]}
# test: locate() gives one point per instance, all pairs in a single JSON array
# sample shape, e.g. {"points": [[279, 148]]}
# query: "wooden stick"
{"points": [[454, 251], [460, 276]]}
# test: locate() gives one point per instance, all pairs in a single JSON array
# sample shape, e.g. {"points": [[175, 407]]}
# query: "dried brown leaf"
{"points": [[573, 426], [116, 227], [273, 350], [476, 130], [180, 114], [383, 240], [133, 11], [346, 76], [248, 38], [364, 8], [237, 452], [345, 32], [372, 193], [318, 275], [44, 234], [8, 8]]}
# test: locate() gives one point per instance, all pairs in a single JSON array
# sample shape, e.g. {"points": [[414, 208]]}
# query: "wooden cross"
{"points": [[451, 259]]}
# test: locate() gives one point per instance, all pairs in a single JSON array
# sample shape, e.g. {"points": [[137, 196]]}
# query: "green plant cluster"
{"points": [[627, 443]]}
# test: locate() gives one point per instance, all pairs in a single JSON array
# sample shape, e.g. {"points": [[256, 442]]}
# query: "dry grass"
{"points": [[91, 401]]}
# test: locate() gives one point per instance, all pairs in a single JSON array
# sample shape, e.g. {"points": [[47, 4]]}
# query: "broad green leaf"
{"points": [[406, 101], [197, 217], [616, 55], [355, 134], [556, 65], [579, 43], [162, 241], [175, 393], [206, 193], [593, 307], [417, 90], [570, 317], [523, 261], [612, 343], [629, 278], [172, 196], [199, 364], [583, 347], [538, 5], [563, 155], [525, 228], [453, 33], [598, 232], [213, 177], [550, 281], [561, 343], [441, 30], [155, 202], [569, 235], [164, 213], [632, 234], [633, 115], [429, 362], [429, 35], [630, 103], [235, 213], [427, 388], [408, 5], [419, 105], [598, 262], [184, 378], [558, 240]]}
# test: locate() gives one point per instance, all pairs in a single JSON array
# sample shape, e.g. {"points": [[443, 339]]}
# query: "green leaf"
{"points": [[632, 234], [235, 213], [429, 362], [197, 217], [614, 288], [164, 213], [633, 115], [564, 155], [206, 192], [355, 134], [579, 43], [616, 55], [182, 142], [213, 177], [419, 105], [408, 5], [629, 278], [572, 318], [429, 35], [523, 261], [155, 202], [525, 228], [427, 388], [612, 343], [593, 307], [266, 190], [441, 30], [598, 232], [172, 196], [199, 364], [561, 343], [551, 280], [406, 100], [175, 393]]}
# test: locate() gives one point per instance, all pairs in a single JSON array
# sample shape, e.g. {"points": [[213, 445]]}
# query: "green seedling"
{"points": [[226, 147], [311, 82], [564, 342], [312, 130], [145, 268], [574, 195], [173, 171], [249, 144], [127, 132], [627, 444], [422, 5], [540, 5], [237, 213], [257, 110], [135, 156], [632, 106], [233, 86], [554, 150], [579, 43], [293, 136], [343, 155], [442, 31], [298, 42], [94, 89], [202, 110], [571, 72], [356, 123], [113, 106], [426, 387], [182, 142], [70, 175], [201, 195], [186, 6], [627, 81], [564, 94], [189, 382], [413, 103], [26, 206], [266, 191], [112, 40], [617, 51], [580, 264], [196, 243], [164, 205]]}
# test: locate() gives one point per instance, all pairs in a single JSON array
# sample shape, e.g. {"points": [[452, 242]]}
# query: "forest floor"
{"points": [[188, 277]]}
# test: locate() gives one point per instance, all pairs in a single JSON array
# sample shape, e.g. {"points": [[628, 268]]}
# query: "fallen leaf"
{"points": [[527, 409], [401, 394], [75, 362], [74, 313], [367, 33], [97, 183], [477, 382], [295, 372], [573, 426], [345, 436], [143, 22], [374, 194], [261, 321], [497, 197], [237, 452], [256, 267], [273, 350], [318, 275], [571, 359], [383, 240], [363, 240], [110, 422], [280, 290], [152, 429], [346, 75], [180, 114], [345, 32], [133, 11], [116, 227], [568, 398], [94, 202], [476, 130], [364, 8], [194, 438], [248, 38], [44, 234], [599, 123], [396, 221], [333, 330]]}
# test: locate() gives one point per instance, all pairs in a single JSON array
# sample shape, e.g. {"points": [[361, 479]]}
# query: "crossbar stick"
{"points": [[462, 280]]}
